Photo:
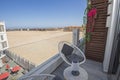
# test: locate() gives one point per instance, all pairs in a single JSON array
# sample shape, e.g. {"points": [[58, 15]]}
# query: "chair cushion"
{"points": [[67, 50]]}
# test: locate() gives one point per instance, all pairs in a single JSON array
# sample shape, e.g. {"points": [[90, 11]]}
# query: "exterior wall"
{"points": [[95, 48], [3, 37]]}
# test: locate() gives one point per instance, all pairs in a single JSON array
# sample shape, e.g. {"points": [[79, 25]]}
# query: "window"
{"points": [[1, 28], [4, 44], [2, 37]]}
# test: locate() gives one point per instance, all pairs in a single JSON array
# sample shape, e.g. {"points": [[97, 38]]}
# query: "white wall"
{"points": [[111, 24]]}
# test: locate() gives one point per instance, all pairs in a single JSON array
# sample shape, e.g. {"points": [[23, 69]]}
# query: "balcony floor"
{"points": [[93, 68]]}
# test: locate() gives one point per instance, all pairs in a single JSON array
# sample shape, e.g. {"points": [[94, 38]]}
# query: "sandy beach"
{"points": [[36, 46]]}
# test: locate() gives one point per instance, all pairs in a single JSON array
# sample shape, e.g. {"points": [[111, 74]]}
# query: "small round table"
{"points": [[68, 75]]}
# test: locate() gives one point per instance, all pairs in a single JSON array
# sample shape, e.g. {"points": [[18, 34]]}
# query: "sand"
{"points": [[36, 46]]}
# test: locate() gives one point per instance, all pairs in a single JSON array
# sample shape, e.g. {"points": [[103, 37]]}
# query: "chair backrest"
{"points": [[39, 77], [68, 51]]}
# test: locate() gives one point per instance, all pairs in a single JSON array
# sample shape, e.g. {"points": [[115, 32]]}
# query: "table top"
{"points": [[4, 75], [15, 69], [68, 75]]}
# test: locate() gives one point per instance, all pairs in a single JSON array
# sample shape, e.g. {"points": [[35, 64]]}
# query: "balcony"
{"points": [[56, 66]]}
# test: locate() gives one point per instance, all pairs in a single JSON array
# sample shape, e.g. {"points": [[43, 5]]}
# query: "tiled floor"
{"points": [[93, 68]]}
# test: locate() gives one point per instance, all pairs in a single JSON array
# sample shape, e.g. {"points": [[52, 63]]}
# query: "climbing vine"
{"points": [[89, 20], [87, 35]]}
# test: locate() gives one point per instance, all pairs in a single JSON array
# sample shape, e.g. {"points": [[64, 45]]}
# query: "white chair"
{"points": [[70, 53], [39, 77], [73, 56]]}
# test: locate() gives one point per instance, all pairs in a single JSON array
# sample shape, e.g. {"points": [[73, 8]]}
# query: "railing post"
{"points": [[75, 37]]}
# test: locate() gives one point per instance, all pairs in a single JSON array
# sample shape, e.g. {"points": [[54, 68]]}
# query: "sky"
{"points": [[42, 13]]}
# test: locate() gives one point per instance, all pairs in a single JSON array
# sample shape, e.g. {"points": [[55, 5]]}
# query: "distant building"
{"points": [[3, 42], [70, 28], [3, 37]]}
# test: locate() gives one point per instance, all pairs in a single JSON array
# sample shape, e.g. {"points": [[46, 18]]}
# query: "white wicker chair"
{"points": [[39, 77], [67, 50]]}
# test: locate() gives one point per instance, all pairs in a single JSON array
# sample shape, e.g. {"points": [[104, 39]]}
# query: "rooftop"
{"points": [[12, 64]]}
